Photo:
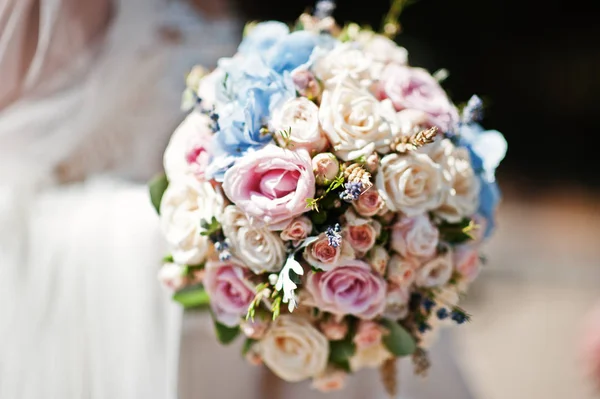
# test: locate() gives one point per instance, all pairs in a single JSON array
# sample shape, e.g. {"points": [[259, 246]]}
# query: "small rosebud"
{"points": [[333, 329], [326, 167], [254, 329], [306, 84], [330, 380], [253, 357], [372, 163], [378, 258]]}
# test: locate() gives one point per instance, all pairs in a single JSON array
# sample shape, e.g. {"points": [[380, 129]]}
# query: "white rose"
{"points": [[372, 356], [293, 349], [344, 61], [462, 198], [173, 276], [298, 117], [415, 237], [259, 248], [396, 302], [184, 205], [410, 183], [188, 150], [383, 50], [437, 271], [355, 122]]}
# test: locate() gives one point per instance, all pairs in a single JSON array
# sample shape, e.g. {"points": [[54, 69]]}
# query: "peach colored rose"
{"points": [[323, 256], [402, 271], [297, 230], [334, 329], [378, 257], [369, 203], [361, 237], [368, 333], [331, 380]]}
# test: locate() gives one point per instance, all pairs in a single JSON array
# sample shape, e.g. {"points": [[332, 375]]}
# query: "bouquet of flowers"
{"points": [[325, 200]]}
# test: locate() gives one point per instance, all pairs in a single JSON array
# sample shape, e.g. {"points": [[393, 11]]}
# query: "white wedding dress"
{"points": [[82, 314]]}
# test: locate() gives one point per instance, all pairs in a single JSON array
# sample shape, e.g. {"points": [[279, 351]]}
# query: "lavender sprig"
{"points": [[473, 111], [352, 190], [334, 235]]}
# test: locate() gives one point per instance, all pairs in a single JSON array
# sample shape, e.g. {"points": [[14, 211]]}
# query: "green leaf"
{"points": [[168, 259], [457, 233], [398, 341], [226, 335], [192, 297], [341, 351], [247, 345], [157, 187]]}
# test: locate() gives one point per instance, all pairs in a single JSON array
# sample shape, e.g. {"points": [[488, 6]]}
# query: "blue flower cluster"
{"points": [[487, 149], [256, 81]]}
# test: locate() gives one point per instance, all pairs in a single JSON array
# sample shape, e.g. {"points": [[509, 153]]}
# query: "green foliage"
{"points": [[457, 233], [262, 292], [226, 335], [313, 203], [398, 341], [340, 352], [157, 187], [192, 297], [286, 137], [211, 227], [247, 345]]}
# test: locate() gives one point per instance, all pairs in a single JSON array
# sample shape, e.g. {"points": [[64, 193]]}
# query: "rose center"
{"points": [[278, 183]]}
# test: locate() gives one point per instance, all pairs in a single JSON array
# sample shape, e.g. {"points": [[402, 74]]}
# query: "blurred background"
{"points": [[536, 64]]}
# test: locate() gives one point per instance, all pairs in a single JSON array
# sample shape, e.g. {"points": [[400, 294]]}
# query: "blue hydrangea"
{"points": [[487, 149]]}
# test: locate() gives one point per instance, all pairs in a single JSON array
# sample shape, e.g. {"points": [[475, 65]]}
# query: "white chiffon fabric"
{"points": [[81, 312]]}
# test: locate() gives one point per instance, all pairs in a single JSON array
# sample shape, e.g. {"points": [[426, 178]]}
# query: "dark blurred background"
{"points": [[536, 64]]}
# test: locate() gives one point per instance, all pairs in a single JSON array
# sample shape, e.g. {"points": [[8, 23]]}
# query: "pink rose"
{"points": [[368, 334], [323, 256], [348, 289], [590, 346], [361, 236], [297, 230], [188, 150], [415, 88], [415, 237], [369, 203], [230, 294], [271, 185], [334, 329], [466, 262]]}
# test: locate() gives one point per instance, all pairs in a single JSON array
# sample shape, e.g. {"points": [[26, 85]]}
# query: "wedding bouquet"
{"points": [[326, 200]]}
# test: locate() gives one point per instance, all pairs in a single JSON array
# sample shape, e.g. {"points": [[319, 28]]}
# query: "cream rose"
{"points": [[383, 50], [410, 183], [415, 237], [437, 271], [355, 122], [173, 276], [378, 257], [184, 205], [260, 249], [370, 357], [345, 61], [299, 117], [293, 349], [462, 197], [396, 302]]}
